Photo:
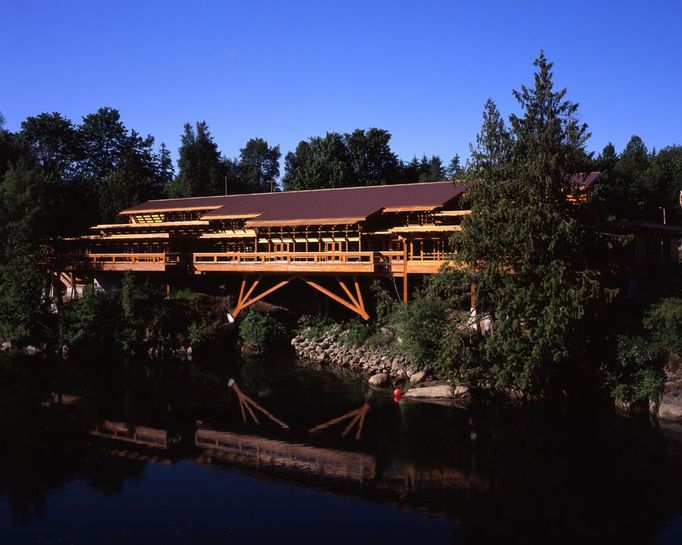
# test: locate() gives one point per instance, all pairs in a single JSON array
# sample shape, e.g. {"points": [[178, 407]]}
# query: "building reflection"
{"points": [[539, 477], [331, 468]]}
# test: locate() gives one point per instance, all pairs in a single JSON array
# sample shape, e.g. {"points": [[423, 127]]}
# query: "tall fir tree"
{"points": [[525, 244], [201, 167]]}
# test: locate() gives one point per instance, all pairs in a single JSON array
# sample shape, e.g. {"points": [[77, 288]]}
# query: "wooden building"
{"points": [[346, 233], [270, 239]]}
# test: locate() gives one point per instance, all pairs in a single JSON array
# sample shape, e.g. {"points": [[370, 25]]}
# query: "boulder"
{"points": [[6, 345], [30, 350], [400, 374], [417, 377], [440, 391], [379, 380], [670, 406]]}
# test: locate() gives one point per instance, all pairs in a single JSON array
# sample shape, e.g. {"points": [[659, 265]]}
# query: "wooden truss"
{"points": [[356, 417], [246, 405], [354, 301]]}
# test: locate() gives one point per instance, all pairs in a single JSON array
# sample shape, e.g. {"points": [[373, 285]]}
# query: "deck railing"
{"points": [[380, 260], [127, 259], [284, 257]]}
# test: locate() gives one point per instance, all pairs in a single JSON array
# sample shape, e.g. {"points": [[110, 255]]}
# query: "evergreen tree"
{"points": [[454, 170], [431, 169], [665, 171], [258, 165], [201, 168], [493, 144], [166, 171], [525, 244]]}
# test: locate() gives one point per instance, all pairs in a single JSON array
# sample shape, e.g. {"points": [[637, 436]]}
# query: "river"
{"points": [[100, 451]]}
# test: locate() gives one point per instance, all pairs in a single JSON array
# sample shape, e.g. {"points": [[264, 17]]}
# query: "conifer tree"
{"points": [[525, 244]]}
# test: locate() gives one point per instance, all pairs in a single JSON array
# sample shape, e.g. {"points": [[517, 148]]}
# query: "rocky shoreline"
{"points": [[381, 366]]}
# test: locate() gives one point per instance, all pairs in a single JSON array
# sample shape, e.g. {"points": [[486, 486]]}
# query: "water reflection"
{"points": [[490, 475]]}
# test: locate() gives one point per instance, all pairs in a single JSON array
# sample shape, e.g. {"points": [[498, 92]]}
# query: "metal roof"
{"points": [[342, 205], [585, 179]]}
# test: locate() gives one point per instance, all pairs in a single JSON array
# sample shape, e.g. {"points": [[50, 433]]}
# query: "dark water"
{"points": [[98, 452]]}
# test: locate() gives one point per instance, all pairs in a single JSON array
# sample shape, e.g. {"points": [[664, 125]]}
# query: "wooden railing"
{"points": [[126, 259], [386, 261], [285, 257]]}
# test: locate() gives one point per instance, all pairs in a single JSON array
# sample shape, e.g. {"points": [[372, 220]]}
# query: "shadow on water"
{"points": [[102, 452]]}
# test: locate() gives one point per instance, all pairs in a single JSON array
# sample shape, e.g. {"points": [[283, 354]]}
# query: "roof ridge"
{"points": [[309, 190]]}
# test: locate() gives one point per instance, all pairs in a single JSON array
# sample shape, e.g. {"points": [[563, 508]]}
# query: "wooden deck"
{"points": [[390, 263], [286, 262]]}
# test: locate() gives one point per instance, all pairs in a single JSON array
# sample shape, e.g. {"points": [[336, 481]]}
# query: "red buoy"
{"points": [[397, 394]]}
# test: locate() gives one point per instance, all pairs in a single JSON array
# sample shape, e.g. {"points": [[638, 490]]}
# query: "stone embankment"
{"points": [[380, 364]]}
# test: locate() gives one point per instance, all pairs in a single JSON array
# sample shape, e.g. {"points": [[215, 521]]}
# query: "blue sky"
{"points": [[289, 70]]}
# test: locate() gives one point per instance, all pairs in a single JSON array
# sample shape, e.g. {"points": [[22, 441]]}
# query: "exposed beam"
{"points": [[361, 303], [244, 300], [348, 292], [355, 308], [266, 292]]}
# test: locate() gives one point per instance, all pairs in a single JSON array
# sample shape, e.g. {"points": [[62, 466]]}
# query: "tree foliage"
{"points": [[638, 183], [525, 245], [261, 332], [201, 167], [342, 160], [23, 223], [258, 166]]}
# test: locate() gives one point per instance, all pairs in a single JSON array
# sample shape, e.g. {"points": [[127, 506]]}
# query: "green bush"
{"points": [[91, 323], [318, 326], [433, 324], [637, 374], [261, 332], [196, 334], [356, 332], [663, 321]]}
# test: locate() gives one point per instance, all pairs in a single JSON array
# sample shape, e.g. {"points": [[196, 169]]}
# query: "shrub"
{"points": [[429, 326], [663, 321], [637, 374], [356, 332], [317, 326], [261, 332], [91, 322], [196, 334]]}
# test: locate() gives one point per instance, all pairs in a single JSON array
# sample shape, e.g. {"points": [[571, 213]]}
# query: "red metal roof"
{"points": [[346, 205], [585, 179]]}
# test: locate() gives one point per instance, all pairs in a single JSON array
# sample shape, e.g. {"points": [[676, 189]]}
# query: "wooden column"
{"points": [[405, 271]]}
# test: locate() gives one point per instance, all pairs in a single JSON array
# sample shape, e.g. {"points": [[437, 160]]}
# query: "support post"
{"points": [[405, 271]]}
